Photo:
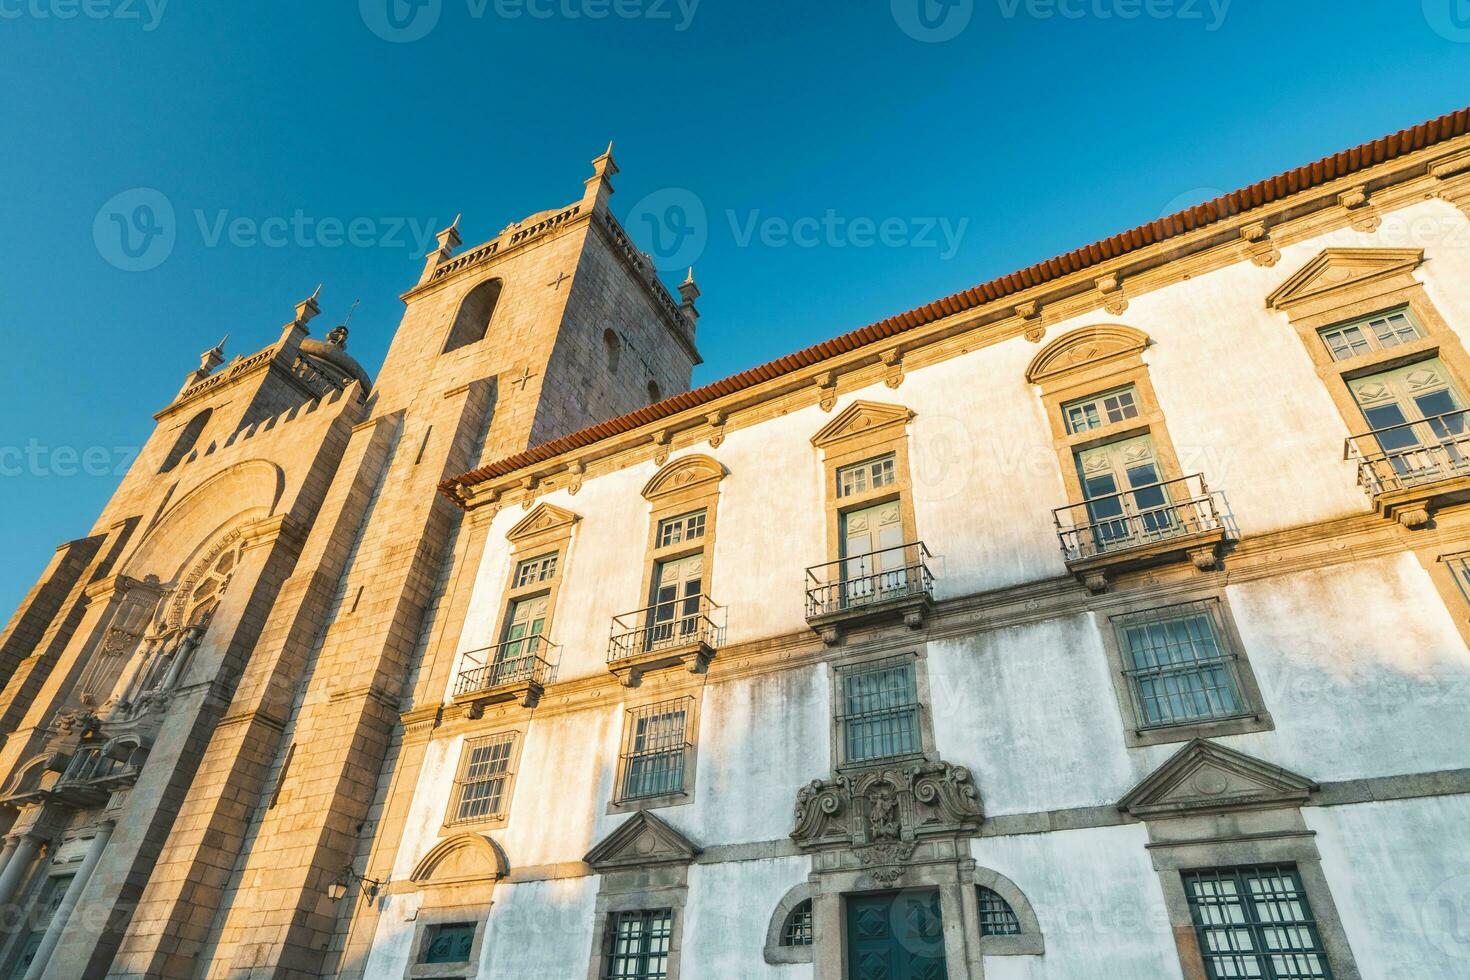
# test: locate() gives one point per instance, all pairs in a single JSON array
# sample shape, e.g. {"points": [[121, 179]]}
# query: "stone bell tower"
{"points": [[552, 325]]}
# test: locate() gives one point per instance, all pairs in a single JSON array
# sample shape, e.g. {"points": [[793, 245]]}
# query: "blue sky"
{"points": [[835, 160]]}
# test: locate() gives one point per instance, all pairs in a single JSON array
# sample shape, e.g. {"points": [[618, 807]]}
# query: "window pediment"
{"points": [[642, 840], [463, 858], [1204, 777], [861, 418], [1340, 269], [1080, 348], [683, 474], [543, 519]]}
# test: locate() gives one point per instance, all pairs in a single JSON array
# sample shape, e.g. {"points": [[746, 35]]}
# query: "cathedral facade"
{"points": [[1105, 621]]}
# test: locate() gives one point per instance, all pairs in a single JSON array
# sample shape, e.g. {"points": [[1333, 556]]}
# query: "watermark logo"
{"points": [[674, 224], [401, 21], [1210, 13], [37, 460], [1445, 917], [149, 13], [135, 231], [932, 21], [1450, 19]]}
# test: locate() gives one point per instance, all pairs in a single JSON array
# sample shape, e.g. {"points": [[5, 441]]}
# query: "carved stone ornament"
{"points": [[1112, 293], [826, 383], [1258, 245], [1030, 314], [1364, 216], [893, 363], [575, 471], [1206, 777], [716, 422], [661, 446], [876, 820]]}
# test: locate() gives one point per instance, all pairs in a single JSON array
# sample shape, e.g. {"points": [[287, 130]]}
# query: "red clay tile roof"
{"points": [[1264, 192]]}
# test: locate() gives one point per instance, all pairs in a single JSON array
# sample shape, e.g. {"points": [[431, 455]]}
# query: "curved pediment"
{"points": [[1086, 346], [462, 858], [684, 473], [544, 518], [1342, 268], [861, 418]]}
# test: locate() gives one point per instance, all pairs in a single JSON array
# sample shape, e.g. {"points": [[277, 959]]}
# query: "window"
{"points": [[188, 436], [472, 321], [1096, 411], [880, 711], [638, 945], [798, 928], [534, 570], [997, 918], [1459, 566], [1255, 922], [677, 530], [613, 346], [655, 746], [1177, 666], [654, 394], [863, 477], [448, 942], [481, 790], [1378, 332]]}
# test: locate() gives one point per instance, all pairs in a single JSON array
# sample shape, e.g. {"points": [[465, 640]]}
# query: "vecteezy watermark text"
{"points": [[405, 21], [148, 12], [832, 230], [37, 460], [1211, 13]]}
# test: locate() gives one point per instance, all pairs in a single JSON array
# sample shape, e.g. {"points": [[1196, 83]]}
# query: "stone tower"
{"points": [[202, 698]]}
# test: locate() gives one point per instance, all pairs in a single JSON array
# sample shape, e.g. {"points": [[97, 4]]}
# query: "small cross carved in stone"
{"points": [[526, 375], [561, 277]]}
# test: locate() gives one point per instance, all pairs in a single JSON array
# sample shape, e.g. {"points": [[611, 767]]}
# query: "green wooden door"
{"points": [[895, 937]]}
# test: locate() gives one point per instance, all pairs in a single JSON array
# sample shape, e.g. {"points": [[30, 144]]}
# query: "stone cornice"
{"points": [[1229, 241]]}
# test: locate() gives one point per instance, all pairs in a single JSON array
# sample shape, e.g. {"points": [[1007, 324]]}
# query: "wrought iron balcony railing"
{"points": [[1140, 517], [1411, 454], [515, 662], [863, 581], [665, 626]]}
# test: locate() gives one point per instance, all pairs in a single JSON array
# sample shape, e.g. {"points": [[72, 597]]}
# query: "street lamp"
{"points": [[337, 890]]}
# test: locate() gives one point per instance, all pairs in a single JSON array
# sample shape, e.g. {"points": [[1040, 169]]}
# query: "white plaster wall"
{"points": [[1400, 877], [1097, 899], [727, 915], [1031, 711], [393, 942], [540, 930]]}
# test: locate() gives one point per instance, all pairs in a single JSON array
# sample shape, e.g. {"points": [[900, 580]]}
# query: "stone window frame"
{"points": [[452, 898], [774, 952], [866, 430], [1247, 687], [836, 668], [1090, 362], [693, 703], [513, 767], [457, 340], [652, 895], [684, 485], [1389, 284], [1172, 861], [1029, 941], [544, 530]]}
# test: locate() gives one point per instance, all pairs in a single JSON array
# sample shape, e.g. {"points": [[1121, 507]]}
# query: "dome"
{"points": [[331, 358]]}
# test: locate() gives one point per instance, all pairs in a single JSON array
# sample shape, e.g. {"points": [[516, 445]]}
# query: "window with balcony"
{"points": [[1255, 922], [878, 716], [656, 761], [1182, 673], [482, 786], [876, 567], [1395, 370], [1130, 504], [679, 624]]}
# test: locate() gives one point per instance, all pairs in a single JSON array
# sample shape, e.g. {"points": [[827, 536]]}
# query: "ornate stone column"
{"points": [[23, 850], [69, 901]]}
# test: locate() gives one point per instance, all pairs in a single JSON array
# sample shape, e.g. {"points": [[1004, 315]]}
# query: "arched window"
{"points": [[797, 930], [472, 321], [188, 436], [654, 394], [997, 918], [614, 346]]}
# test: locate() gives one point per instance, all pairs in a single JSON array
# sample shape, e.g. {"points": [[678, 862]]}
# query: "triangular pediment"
{"points": [[546, 517], [1204, 777], [683, 474], [641, 841], [1082, 347], [1342, 268], [861, 418]]}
